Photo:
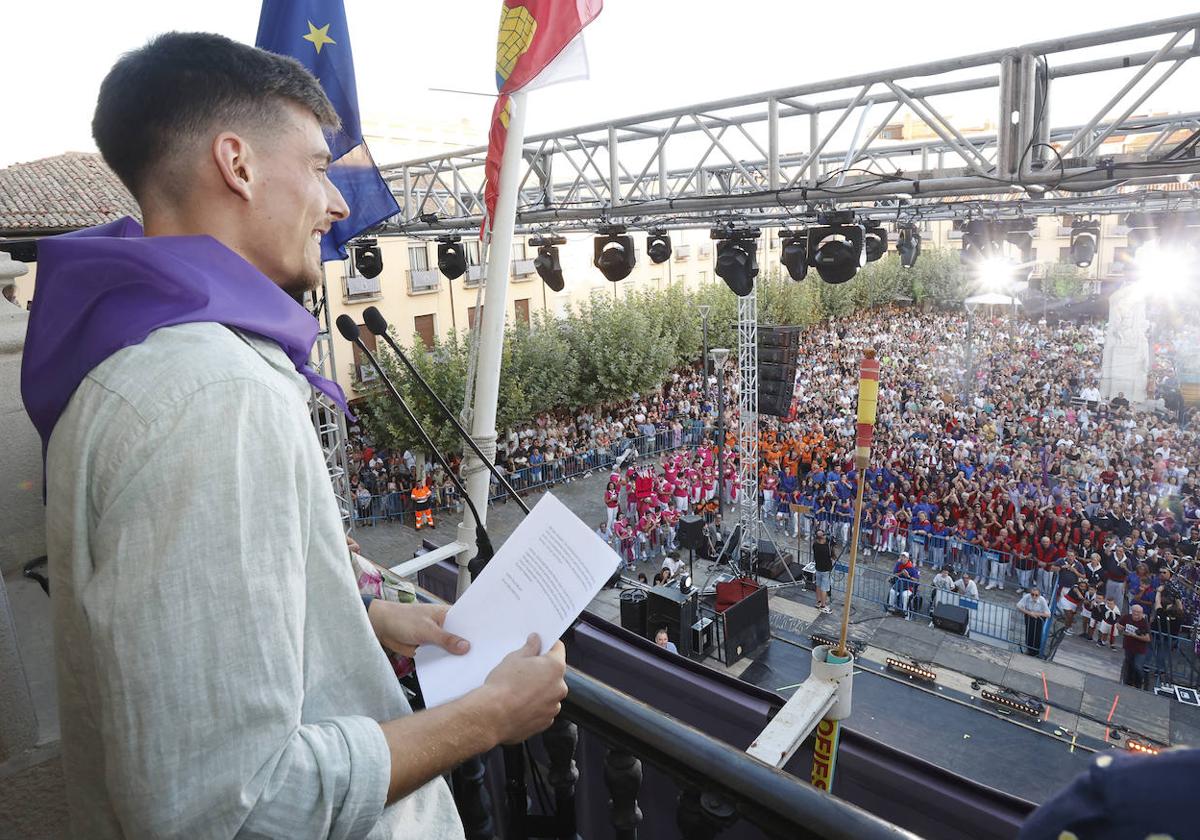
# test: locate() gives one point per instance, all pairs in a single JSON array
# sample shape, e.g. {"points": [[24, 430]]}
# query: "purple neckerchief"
{"points": [[108, 287]]}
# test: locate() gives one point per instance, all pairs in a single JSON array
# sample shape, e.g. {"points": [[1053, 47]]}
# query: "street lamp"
{"points": [[703, 310], [719, 356]]}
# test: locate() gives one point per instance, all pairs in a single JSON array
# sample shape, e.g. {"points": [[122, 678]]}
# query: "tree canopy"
{"points": [[605, 349]]}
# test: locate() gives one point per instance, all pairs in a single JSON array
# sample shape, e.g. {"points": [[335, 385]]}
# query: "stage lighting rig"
{"points": [[658, 246], [908, 245], [546, 263], [368, 259], [979, 241], [911, 670], [794, 252], [875, 241], [613, 253], [1009, 700], [1142, 747], [737, 256], [452, 257], [1019, 233], [1085, 237], [835, 246]]}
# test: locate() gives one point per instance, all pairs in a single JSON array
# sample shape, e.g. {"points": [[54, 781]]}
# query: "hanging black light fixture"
{"points": [[613, 253], [737, 256]]}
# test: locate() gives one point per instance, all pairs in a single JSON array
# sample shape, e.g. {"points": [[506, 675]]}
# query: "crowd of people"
{"points": [[1029, 481]]}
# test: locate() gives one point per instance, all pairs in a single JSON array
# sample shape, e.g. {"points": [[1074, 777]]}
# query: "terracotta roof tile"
{"points": [[66, 192]]}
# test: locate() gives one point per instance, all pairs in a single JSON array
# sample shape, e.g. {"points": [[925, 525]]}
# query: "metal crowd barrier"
{"points": [[1001, 622], [393, 507]]}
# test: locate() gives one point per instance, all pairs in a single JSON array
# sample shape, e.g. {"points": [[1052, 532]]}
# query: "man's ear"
{"points": [[234, 160]]}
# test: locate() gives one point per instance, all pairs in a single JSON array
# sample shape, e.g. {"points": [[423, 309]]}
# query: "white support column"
{"points": [[491, 334]]}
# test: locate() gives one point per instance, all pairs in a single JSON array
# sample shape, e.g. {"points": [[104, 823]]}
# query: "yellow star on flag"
{"points": [[318, 36]]}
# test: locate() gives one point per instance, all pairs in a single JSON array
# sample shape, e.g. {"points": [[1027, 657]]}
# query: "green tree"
{"points": [[1063, 280]]}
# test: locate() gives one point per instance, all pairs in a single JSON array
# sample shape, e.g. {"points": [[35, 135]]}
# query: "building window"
{"points": [[424, 327], [473, 316], [702, 277], [521, 311], [1064, 254], [421, 278]]}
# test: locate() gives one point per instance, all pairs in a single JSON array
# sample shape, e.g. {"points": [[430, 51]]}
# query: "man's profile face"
{"points": [[293, 201]]}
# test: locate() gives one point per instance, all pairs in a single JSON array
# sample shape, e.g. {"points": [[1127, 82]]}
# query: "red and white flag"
{"points": [[540, 43]]}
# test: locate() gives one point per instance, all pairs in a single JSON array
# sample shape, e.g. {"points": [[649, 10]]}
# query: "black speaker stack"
{"points": [[777, 351]]}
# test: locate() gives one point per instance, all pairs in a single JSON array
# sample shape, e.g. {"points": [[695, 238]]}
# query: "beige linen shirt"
{"points": [[217, 674]]}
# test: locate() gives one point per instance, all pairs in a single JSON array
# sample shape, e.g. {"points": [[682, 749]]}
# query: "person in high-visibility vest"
{"points": [[423, 505]]}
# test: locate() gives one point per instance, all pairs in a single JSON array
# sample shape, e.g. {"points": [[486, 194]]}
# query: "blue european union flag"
{"points": [[315, 33]]}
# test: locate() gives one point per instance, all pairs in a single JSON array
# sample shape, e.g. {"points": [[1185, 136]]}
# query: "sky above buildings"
{"points": [[644, 55]]}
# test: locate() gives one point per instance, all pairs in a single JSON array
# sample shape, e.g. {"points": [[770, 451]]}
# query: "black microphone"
{"points": [[483, 543], [377, 324]]}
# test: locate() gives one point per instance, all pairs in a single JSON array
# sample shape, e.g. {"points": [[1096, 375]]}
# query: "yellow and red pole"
{"points": [[868, 407], [828, 731]]}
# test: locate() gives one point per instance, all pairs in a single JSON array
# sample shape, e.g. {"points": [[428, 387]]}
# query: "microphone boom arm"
{"points": [[378, 325], [483, 543]]}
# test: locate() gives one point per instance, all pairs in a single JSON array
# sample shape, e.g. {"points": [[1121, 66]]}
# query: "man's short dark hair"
{"points": [[183, 83]]}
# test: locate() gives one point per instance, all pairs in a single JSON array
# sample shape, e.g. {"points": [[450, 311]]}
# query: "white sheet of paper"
{"points": [[540, 580]]}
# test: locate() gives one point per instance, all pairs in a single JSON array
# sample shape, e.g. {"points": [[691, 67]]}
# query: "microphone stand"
{"points": [[377, 324], [483, 543]]}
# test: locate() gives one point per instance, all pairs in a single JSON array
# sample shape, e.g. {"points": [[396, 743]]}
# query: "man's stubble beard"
{"points": [[308, 281]]}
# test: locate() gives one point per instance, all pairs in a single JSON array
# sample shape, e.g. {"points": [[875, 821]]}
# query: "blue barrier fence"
{"points": [[1001, 622]]}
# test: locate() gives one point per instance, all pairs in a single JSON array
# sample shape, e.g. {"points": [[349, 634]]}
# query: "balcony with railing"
{"points": [[361, 289], [422, 280], [522, 269], [475, 276], [652, 744]]}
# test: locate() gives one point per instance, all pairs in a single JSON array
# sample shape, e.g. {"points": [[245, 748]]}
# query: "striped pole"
{"points": [[868, 404], [828, 731]]}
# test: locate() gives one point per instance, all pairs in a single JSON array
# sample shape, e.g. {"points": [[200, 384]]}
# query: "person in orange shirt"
{"points": [[423, 505]]}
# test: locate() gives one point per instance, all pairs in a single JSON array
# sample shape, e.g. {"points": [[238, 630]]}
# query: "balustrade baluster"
{"points": [[473, 801], [561, 741], [703, 815], [515, 790], [623, 776]]}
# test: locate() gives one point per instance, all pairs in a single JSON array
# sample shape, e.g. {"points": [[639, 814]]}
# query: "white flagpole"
{"points": [[491, 334]]}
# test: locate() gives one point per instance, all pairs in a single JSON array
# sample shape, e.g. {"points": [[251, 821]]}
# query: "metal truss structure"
{"points": [[748, 509], [328, 420], [772, 155], [782, 155]]}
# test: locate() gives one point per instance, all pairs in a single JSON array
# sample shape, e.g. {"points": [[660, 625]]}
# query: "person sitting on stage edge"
{"points": [[218, 673]]}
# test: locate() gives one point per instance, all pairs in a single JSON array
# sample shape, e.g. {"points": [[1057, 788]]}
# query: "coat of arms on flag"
{"points": [[540, 43]]}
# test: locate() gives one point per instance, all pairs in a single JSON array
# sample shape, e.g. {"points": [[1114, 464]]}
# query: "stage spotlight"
{"points": [[1033, 708], [911, 670], [1134, 745], [978, 242], [546, 263], [452, 257], [1164, 268], [995, 273], [794, 254], [875, 241], [658, 246], [368, 259], [737, 257], [835, 248], [908, 246], [1084, 237], [613, 253]]}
